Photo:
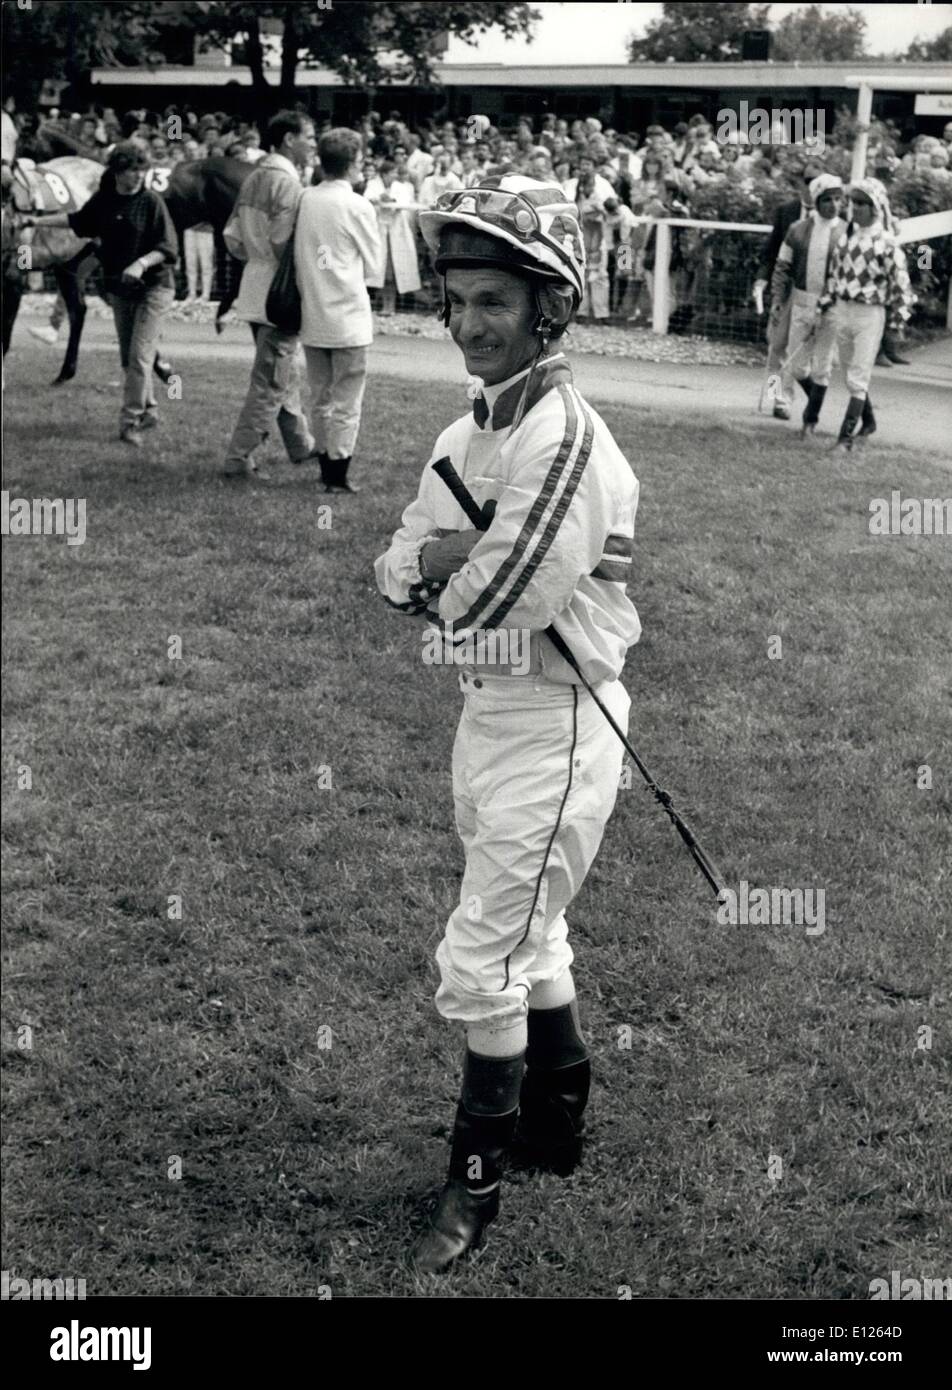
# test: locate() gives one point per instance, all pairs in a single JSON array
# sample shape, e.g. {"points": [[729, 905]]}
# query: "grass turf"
{"points": [[280, 1040]]}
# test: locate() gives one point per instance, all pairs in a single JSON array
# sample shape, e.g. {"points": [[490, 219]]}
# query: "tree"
{"points": [[937, 50], [65, 39], [811, 33], [363, 41], [691, 33]]}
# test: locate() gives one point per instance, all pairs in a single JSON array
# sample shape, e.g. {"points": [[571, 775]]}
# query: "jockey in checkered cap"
{"points": [[868, 292], [535, 766]]}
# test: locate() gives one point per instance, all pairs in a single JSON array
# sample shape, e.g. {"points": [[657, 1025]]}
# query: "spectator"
{"points": [[257, 233], [8, 135], [599, 185], [621, 224], [253, 150], [540, 166], [442, 180], [706, 169], [138, 250], [597, 240], [211, 141], [336, 248], [397, 270], [89, 132], [651, 186], [470, 175], [198, 247], [419, 163]]}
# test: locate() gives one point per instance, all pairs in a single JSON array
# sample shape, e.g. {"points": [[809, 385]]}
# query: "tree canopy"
{"points": [[364, 41], [814, 33], [695, 33]]}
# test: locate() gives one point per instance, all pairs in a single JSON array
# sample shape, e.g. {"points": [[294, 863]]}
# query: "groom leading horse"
{"points": [[199, 191]]}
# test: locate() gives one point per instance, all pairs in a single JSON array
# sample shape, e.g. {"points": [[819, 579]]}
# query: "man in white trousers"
{"points": [[867, 291], [535, 764], [800, 274], [336, 246]]}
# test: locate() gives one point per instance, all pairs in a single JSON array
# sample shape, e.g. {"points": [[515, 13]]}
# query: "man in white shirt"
{"points": [[442, 180], [336, 246], [419, 163]]}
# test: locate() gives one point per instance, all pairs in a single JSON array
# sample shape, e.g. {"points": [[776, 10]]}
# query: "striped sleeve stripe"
{"points": [[531, 523], [555, 521], [615, 564], [570, 445], [619, 545], [616, 571]]}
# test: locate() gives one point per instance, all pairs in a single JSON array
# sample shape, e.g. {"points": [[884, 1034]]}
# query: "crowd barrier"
{"points": [[679, 275]]}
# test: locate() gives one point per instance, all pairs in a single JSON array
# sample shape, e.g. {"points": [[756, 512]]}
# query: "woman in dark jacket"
{"points": [[138, 249]]}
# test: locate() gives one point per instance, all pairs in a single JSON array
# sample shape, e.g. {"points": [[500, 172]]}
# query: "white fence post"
{"points": [[864, 115], [661, 299]]}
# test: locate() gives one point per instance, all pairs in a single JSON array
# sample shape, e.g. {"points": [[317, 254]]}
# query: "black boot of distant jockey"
{"points": [[555, 1090], [334, 476], [811, 413], [807, 383], [890, 350], [482, 1133], [868, 420], [853, 412]]}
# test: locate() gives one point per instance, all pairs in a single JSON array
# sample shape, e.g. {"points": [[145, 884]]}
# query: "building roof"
{"points": [[762, 76]]}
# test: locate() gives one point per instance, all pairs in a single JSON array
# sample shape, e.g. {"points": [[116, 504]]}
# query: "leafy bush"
{"points": [[717, 269], [913, 194]]}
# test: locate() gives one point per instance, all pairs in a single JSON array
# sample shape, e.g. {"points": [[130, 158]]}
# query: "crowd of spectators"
{"points": [[617, 179]]}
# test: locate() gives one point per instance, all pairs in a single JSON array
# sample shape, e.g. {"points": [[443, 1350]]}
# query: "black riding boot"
{"points": [[853, 411], [482, 1132], [555, 1092], [811, 413], [890, 350], [868, 425], [334, 476], [808, 385]]}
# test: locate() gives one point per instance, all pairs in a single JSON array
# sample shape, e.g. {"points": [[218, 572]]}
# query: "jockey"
{"points": [[867, 290], [535, 766]]}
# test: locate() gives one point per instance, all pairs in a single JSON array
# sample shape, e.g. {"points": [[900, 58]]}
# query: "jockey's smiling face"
{"points": [[491, 317]]}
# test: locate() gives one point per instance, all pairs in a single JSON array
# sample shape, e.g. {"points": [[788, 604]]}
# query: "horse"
{"points": [[198, 191]]}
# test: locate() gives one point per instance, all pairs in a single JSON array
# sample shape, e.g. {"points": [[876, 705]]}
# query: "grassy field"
{"points": [[310, 912]]}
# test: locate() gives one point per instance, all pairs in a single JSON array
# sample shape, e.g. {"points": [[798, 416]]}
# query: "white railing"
{"points": [[925, 228]]}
